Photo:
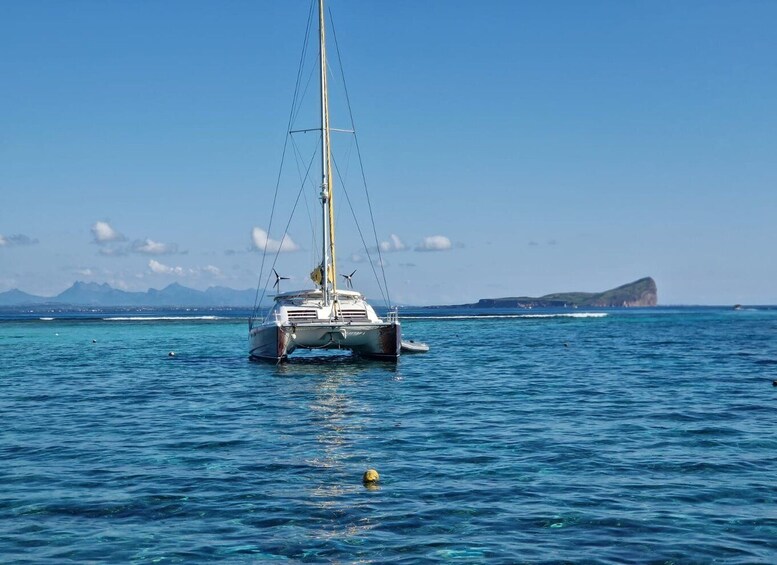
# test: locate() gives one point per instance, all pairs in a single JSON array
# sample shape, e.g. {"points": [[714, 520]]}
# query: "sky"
{"points": [[510, 148]]}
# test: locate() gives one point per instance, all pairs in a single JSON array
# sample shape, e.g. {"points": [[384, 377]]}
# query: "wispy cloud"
{"points": [[119, 283], [103, 232], [151, 247], [261, 241], [434, 243], [159, 268], [16, 239], [393, 244], [113, 251], [359, 258]]}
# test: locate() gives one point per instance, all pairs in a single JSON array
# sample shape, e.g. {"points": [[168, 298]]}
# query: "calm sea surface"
{"points": [[639, 436]]}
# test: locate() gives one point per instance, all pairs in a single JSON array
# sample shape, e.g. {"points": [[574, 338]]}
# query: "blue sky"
{"points": [[546, 146]]}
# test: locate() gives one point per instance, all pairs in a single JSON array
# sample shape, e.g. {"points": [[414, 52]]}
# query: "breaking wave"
{"points": [[160, 318], [507, 316]]}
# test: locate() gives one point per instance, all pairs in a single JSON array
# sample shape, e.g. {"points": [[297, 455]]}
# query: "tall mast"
{"points": [[328, 284]]}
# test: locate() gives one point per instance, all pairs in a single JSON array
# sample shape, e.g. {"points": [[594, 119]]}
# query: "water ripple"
{"points": [[628, 438]]}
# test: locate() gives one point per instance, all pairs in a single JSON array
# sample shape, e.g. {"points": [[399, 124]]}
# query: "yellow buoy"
{"points": [[370, 477]]}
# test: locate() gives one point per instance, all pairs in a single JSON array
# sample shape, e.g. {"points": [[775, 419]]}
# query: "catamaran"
{"points": [[325, 317]]}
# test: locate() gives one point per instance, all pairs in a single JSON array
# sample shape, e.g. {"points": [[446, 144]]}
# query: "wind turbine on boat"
{"points": [[278, 280], [349, 279]]}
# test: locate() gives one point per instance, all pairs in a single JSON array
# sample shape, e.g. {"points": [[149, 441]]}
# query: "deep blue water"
{"points": [[644, 436]]}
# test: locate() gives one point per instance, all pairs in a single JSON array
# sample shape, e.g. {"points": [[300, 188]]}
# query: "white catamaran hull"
{"points": [[274, 341]]}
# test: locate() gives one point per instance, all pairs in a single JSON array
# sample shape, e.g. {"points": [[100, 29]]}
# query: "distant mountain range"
{"points": [[642, 292], [104, 295]]}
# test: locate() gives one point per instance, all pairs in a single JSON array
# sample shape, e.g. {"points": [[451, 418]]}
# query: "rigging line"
{"points": [[257, 300], [304, 93], [305, 198], [286, 229], [359, 229], [298, 159], [348, 158], [297, 101], [280, 244], [343, 176], [359, 154]]}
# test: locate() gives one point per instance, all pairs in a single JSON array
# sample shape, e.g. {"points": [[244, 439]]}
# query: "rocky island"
{"points": [[638, 293]]}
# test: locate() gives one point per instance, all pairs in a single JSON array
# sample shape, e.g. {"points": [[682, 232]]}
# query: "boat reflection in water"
{"points": [[338, 403]]}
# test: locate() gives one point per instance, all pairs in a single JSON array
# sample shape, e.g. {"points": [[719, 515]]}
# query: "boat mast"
{"points": [[328, 284]]}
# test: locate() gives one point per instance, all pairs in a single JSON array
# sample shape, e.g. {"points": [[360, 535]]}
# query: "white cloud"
{"points": [[212, 270], [162, 269], [393, 244], [85, 272], [151, 247], [434, 243], [260, 240], [104, 233]]}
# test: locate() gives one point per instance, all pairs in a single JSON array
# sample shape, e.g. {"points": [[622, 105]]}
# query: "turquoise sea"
{"points": [[626, 436]]}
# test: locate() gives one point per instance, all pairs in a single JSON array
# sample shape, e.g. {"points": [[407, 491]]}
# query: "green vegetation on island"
{"points": [[638, 293]]}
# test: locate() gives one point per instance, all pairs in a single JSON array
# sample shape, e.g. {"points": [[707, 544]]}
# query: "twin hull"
{"points": [[275, 340]]}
